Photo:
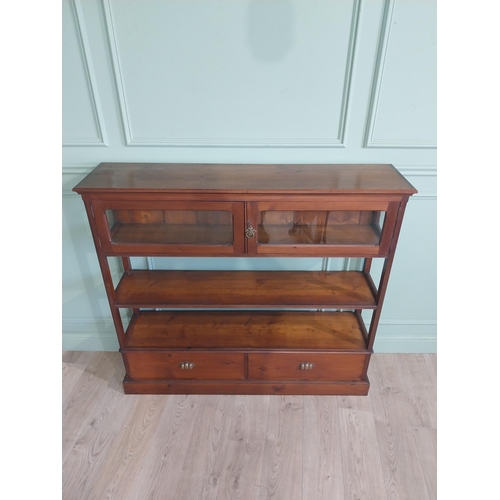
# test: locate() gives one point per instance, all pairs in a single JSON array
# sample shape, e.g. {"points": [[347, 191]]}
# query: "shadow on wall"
{"points": [[270, 29]]}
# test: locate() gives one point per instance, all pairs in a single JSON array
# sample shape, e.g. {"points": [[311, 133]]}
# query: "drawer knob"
{"points": [[306, 366], [186, 365], [250, 232]]}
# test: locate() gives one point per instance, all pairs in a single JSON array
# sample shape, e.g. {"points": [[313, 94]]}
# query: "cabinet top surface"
{"points": [[245, 178]]}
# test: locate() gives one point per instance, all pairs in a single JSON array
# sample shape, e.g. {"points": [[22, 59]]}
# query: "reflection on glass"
{"points": [[320, 227], [171, 227]]}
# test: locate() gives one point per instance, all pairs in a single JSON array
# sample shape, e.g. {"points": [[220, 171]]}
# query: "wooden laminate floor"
{"points": [[375, 447]]}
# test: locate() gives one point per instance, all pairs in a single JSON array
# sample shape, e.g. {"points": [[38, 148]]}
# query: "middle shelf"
{"points": [[245, 289]]}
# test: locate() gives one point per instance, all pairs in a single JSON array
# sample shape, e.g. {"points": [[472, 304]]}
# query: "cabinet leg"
{"points": [[106, 275], [384, 278]]}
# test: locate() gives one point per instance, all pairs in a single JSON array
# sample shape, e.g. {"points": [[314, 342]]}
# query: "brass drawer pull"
{"points": [[186, 365], [250, 232], [306, 366]]}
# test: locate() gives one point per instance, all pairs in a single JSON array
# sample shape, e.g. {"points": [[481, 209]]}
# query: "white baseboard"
{"points": [[89, 342], [89, 334], [406, 336], [415, 345]]}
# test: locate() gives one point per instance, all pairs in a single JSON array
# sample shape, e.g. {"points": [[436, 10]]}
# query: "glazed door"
{"points": [[186, 228], [344, 228]]}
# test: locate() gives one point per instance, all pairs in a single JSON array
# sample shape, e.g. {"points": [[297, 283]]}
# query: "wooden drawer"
{"points": [[306, 366], [184, 365]]}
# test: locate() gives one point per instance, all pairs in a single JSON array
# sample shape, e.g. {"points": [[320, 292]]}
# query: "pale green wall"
{"points": [[243, 81]]}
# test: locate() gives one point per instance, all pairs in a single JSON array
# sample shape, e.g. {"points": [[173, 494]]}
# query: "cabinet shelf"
{"points": [[245, 289], [220, 234], [342, 331], [173, 234], [341, 234]]}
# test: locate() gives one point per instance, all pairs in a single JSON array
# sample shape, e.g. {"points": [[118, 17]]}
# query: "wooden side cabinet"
{"points": [[245, 332]]}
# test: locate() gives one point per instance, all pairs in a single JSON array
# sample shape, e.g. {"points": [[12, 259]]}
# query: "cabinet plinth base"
{"points": [[348, 388]]}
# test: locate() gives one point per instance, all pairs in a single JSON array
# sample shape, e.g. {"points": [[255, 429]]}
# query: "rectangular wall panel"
{"points": [[233, 73], [82, 120], [403, 106]]}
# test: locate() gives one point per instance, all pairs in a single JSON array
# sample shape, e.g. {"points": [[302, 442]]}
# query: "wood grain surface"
{"points": [[244, 330], [244, 289], [246, 178], [126, 447]]}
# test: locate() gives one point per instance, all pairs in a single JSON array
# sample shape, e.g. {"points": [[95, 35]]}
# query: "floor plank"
{"points": [[126, 447], [361, 462], [282, 465], [82, 466], [419, 387], [166, 455], [199, 475], [123, 463], [244, 449], [322, 467], [82, 399], [403, 473]]}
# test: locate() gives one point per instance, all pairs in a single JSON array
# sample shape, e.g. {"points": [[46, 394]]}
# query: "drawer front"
{"points": [[184, 365], [306, 366]]}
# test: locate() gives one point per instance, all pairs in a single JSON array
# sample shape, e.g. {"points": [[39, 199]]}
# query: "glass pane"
{"points": [[320, 227], [171, 227]]}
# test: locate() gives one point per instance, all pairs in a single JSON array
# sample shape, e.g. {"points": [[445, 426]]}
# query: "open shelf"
{"points": [[244, 330], [296, 289]]}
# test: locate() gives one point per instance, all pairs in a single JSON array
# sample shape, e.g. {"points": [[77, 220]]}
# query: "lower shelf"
{"points": [[246, 387], [246, 330]]}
